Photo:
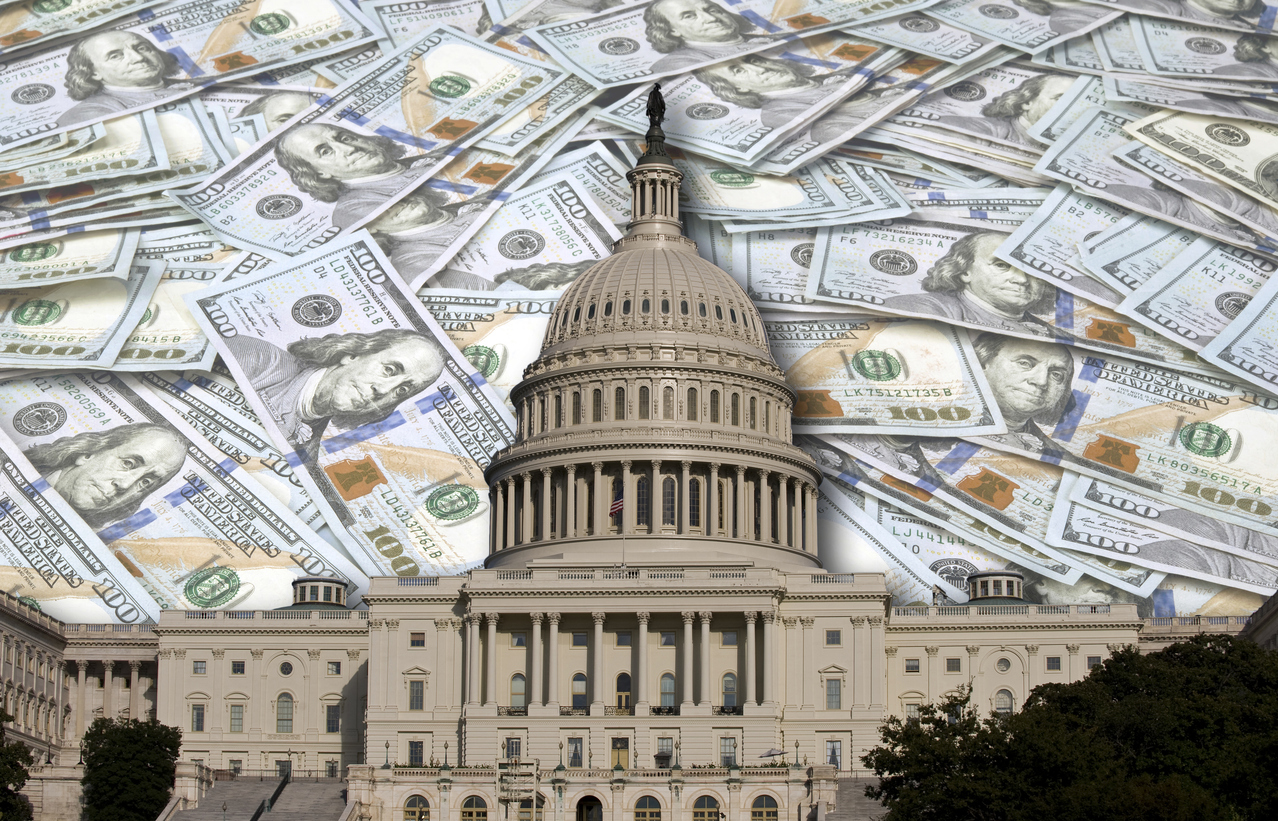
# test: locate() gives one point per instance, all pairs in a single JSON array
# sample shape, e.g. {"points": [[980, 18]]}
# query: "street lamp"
{"points": [[223, 811], [445, 753], [386, 766]]}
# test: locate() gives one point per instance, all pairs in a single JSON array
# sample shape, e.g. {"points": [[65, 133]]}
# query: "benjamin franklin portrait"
{"points": [[695, 32], [113, 71]]}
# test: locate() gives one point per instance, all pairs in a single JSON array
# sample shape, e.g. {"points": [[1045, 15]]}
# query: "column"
{"points": [[704, 689], [769, 655], [684, 511], [932, 673], [108, 690], [1032, 668], [390, 676], [599, 508], [655, 498], [629, 498], [783, 518], [312, 710], [712, 502], [257, 707], [471, 620], [552, 662], [741, 502], [510, 511], [570, 499], [545, 504], [499, 517], [809, 674], [810, 520], [860, 672], [686, 651], [490, 695], [641, 666], [796, 514], [526, 534], [765, 507], [135, 697], [596, 662], [534, 696], [752, 666], [1074, 669], [82, 667]]}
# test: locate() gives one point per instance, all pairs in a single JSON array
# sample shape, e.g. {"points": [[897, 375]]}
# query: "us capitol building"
{"points": [[652, 636]]}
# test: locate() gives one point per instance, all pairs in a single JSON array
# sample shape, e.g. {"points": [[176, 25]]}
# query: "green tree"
{"points": [[1186, 734], [15, 761], [128, 769]]}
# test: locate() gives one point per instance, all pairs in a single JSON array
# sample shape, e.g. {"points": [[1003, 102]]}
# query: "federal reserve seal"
{"points": [[37, 312], [619, 46], [707, 111], [32, 93], [278, 206], [34, 252], [452, 502], [802, 254], [316, 310], [484, 358], [877, 366], [966, 91], [212, 587], [521, 243], [919, 24], [732, 179], [893, 262], [1226, 134], [1231, 304], [996, 12], [40, 419], [1205, 45], [270, 23], [954, 571], [1205, 439], [449, 85]]}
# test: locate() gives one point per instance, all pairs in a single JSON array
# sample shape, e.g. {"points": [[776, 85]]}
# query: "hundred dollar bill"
{"points": [[389, 425], [168, 336], [51, 148], [194, 530], [144, 211], [1085, 530], [657, 38], [738, 109], [601, 174], [543, 115], [715, 189], [493, 330], [1132, 250], [276, 104], [1116, 46], [130, 145], [379, 137], [1176, 49], [1238, 16], [50, 559], [1200, 443], [1033, 28], [1076, 54], [88, 255], [243, 133], [932, 270], [183, 243], [867, 374], [404, 20], [1009, 493], [174, 50], [1248, 346], [1199, 293], [542, 239], [931, 38], [81, 324], [29, 23], [1132, 90], [216, 407], [772, 266]]}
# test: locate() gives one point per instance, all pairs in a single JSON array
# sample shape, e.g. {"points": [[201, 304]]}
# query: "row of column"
{"points": [[704, 692], [31, 683], [138, 684], [522, 505]]}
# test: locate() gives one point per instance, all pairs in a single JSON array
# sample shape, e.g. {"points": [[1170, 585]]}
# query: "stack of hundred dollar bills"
{"points": [[271, 269]]}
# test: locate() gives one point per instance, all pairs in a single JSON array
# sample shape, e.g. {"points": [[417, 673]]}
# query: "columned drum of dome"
{"points": [[655, 425]]}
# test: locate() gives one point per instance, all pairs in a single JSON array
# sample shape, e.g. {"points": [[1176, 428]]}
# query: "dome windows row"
{"points": [[609, 312]]}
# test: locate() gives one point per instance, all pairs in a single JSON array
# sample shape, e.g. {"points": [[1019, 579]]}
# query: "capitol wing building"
{"points": [[652, 637]]}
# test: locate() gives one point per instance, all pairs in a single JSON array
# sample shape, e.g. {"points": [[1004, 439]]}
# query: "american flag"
{"points": [[617, 505]]}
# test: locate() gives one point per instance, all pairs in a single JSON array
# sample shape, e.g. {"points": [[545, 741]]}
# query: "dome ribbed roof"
{"points": [[650, 289]]}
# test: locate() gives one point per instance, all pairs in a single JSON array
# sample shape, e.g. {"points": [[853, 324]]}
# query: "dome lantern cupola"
{"points": [[654, 428]]}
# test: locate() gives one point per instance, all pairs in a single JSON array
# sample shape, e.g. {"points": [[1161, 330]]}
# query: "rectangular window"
{"points": [[911, 665], [334, 668], [912, 713], [1093, 661], [580, 639], [332, 718], [727, 751], [328, 593], [416, 753], [575, 752], [199, 668], [519, 639], [667, 638], [833, 694], [514, 747], [834, 753], [330, 769], [417, 695], [237, 718], [197, 718], [416, 639], [236, 764], [623, 638], [953, 665], [728, 638], [665, 746], [237, 668], [833, 638], [1054, 664]]}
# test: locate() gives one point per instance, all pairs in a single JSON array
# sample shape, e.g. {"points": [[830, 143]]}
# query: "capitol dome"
{"points": [[654, 427]]}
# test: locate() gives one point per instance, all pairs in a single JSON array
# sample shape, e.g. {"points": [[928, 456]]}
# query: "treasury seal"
{"points": [[212, 587], [484, 358], [452, 502], [802, 254], [1205, 439], [877, 366]]}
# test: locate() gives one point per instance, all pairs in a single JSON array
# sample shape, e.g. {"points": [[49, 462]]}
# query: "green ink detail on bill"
{"points": [[146, 317], [732, 179], [270, 23], [212, 587], [450, 85], [878, 366], [30, 602], [49, 6], [1205, 439], [452, 502], [484, 358], [35, 252], [37, 312]]}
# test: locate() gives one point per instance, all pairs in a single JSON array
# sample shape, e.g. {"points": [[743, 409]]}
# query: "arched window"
{"points": [[668, 501], [694, 503], [645, 306], [643, 502], [764, 808], [623, 689], [559, 410], [518, 690], [705, 808], [648, 808], [667, 690], [619, 404], [753, 406], [596, 413], [416, 808], [736, 409], [665, 306], [767, 412], [645, 403], [714, 407], [667, 403], [284, 713], [692, 404], [576, 409], [1003, 701], [474, 808], [729, 690], [579, 692]]}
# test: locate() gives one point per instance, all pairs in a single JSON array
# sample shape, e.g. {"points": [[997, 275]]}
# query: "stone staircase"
{"points": [[321, 799], [242, 798], [850, 803], [306, 799]]}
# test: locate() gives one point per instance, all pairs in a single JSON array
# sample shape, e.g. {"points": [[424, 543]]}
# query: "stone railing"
{"points": [[1106, 612], [169, 617]]}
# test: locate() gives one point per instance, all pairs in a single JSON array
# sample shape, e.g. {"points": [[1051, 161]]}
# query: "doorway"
{"points": [[589, 809]]}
